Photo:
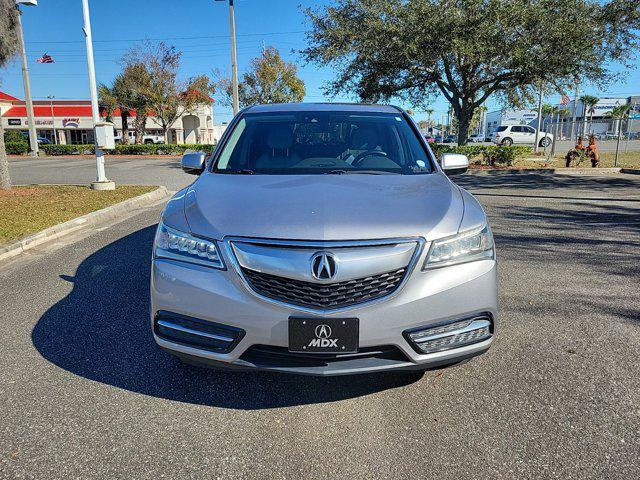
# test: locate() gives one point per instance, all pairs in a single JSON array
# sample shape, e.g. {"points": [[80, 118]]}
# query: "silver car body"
{"points": [[275, 224]]}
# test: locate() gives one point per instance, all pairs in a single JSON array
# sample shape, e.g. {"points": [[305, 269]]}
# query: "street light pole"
{"points": [[101, 183], [33, 136], [536, 147], [234, 63], [53, 119]]}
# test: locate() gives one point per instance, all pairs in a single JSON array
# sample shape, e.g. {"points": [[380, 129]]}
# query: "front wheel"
{"points": [[507, 142], [545, 142], [148, 142]]}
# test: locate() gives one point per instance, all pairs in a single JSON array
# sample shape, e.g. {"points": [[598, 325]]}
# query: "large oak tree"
{"points": [[469, 50]]}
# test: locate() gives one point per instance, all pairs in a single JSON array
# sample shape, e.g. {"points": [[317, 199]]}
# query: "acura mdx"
{"points": [[323, 239]]}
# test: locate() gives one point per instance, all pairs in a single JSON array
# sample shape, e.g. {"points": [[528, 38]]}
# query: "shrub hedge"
{"points": [[491, 154], [142, 149], [15, 136], [17, 148]]}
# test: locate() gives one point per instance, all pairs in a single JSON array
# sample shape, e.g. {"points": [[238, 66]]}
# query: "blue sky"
{"points": [[200, 28]]}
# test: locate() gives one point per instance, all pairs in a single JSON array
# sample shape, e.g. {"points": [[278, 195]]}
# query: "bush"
{"points": [[158, 149], [67, 149], [17, 148], [15, 136], [142, 149], [491, 154]]}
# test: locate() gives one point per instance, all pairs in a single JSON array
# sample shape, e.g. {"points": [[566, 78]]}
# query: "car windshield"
{"points": [[323, 143]]}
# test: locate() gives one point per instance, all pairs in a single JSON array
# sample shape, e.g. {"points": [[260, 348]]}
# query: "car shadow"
{"points": [[101, 331]]}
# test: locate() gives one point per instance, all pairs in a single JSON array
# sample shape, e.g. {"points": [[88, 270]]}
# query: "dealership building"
{"points": [[71, 121], [596, 121]]}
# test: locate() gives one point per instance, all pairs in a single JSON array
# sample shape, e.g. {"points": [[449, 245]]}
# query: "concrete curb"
{"points": [[90, 219], [556, 171]]}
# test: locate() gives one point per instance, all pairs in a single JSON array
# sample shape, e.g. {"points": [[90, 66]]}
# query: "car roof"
{"points": [[323, 107]]}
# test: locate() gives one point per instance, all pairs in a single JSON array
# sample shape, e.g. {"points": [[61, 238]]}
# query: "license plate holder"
{"points": [[323, 335]]}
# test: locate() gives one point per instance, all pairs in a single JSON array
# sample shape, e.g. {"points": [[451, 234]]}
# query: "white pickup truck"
{"points": [[145, 138]]}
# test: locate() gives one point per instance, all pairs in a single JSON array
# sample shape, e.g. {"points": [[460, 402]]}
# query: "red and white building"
{"points": [[71, 122]]}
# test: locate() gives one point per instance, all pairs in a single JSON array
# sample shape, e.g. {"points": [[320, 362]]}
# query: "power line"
{"points": [[48, 42]]}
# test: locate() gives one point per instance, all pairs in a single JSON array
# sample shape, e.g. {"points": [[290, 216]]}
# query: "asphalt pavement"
{"points": [[85, 392]]}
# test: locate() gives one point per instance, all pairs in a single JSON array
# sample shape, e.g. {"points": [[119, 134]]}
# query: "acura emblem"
{"points": [[323, 331], [324, 266]]}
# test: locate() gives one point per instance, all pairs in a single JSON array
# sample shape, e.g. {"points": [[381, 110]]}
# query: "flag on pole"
{"points": [[46, 58], [565, 99]]}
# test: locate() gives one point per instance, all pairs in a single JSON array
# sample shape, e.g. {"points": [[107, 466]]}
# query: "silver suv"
{"points": [[323, 239]]}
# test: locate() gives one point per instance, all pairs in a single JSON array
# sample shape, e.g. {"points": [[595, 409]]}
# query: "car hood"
{"points": [[323, 207]]}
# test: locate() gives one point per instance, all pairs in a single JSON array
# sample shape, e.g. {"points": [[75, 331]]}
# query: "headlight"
{"points": [[476, 244], [181, 246]]}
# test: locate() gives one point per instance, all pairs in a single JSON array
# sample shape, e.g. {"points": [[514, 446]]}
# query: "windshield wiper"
{"points": [[371, 172]]}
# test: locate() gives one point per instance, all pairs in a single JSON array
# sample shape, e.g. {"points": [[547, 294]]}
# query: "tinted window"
{"points": [[323, 142], [529, 129], [516, 129], [502, 128]]}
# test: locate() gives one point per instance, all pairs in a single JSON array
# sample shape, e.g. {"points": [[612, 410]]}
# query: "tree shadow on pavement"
{"points": [[101, 331], [537, 185]]}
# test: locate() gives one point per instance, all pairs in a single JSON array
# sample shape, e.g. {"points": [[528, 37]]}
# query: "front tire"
{"points": [[148, 142], [507, 142], [545, 142]]}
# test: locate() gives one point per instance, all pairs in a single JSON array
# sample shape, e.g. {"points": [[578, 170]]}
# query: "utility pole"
{"points": [[33, 136], [53, 119], [537, 141], [234, 64], [101, 183], [575, 107]]}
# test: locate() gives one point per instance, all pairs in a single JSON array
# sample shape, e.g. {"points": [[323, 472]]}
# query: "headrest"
{"points": [[280, 136], [364, 138]]}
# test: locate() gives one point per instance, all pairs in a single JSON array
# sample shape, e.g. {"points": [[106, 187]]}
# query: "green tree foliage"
{"points": [[155, 69], [8, 48], [269, 80], [469, 50]]}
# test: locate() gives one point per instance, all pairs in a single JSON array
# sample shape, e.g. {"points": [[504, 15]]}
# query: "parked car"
{"points": [[520, 134], [311, 242], [40, 140], [476, 138], [147, 138], [438, 138], [429, 138], [450, 139], [611, 135]]}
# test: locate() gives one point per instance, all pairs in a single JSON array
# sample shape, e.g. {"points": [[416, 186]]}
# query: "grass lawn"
{"points": [[26, 210], [625, 160]]}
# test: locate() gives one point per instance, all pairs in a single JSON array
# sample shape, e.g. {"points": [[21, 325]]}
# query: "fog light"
{"points": [[452, 335]]}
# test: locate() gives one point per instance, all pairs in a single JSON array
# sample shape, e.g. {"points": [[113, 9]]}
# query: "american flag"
{"points": [[46, 58], [565, 99]]}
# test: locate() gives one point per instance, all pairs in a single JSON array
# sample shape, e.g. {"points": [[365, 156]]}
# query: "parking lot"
{"points": [[87, 394]]}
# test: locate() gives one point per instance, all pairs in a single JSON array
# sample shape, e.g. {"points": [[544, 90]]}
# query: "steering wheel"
{"points": [[360, 157]]}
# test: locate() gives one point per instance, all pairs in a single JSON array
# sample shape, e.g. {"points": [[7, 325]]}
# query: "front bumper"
{"points": [[427, 298]]}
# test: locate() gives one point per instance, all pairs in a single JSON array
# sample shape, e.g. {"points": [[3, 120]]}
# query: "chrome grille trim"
{"points": [[320, 244]]}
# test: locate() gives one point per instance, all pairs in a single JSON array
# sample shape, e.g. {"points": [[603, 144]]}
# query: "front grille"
{"points": [[324, 296]]}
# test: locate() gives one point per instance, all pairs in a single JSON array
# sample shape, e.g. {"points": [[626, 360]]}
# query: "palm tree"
{"points": [[429, 112], [118, 96], [588, 106], [618, 113]]}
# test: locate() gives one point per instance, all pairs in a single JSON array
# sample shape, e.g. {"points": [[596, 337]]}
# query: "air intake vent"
{"points": [[196, 333]]}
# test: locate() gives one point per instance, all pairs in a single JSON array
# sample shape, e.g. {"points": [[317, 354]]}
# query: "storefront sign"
{"points": [[14, 121], [71, 122]]}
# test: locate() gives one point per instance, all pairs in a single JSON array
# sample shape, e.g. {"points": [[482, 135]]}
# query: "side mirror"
{"points": [[454, 163], [193, 162]]}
